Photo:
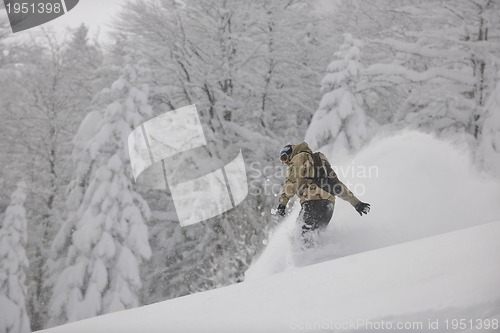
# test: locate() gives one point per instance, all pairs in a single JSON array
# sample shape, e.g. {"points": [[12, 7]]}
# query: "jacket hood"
{"points": [[299, 148]]}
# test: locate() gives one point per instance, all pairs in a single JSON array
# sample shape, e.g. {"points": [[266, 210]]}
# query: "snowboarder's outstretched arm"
{"points": [[347, 195], [343, 192]]}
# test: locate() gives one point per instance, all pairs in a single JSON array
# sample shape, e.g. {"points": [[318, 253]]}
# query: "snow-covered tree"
{"points": [[81, 61], [444, 62], [13, 264], [430, 64], [101, 245], [51, 99], [489, 147], [289, 66], [340, 120]]}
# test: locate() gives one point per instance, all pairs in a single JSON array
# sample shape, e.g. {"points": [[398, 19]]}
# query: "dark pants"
{"points": [[314, 216]]}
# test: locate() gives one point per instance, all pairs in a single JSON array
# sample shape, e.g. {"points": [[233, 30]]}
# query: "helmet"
{"points": [[286, 153]]}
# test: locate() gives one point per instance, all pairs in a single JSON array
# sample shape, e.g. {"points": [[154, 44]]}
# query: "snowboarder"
{"points": [[311, 177]]}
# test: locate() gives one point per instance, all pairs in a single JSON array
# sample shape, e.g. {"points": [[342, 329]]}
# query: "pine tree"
{"points": [[102, 244], [81, 61], [340, 120], [13, 264]]}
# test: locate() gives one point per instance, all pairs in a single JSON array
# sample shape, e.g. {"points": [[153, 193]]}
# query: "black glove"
{"points": [[362, 208], [281, 210]]}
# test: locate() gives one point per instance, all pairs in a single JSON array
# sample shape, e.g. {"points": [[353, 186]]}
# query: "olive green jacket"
{"points": [[300, 168]]}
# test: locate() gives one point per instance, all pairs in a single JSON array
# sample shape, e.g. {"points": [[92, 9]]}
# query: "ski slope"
{"points": [[412, 285]]}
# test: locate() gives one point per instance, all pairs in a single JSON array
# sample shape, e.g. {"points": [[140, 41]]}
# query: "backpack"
{"points": [[324, 176]]}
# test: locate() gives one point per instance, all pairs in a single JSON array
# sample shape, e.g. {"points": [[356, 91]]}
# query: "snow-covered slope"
{"points": [[418, 186], [449, 276], [379, 267]]}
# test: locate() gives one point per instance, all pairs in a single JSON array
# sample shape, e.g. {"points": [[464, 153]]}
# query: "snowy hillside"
{"points": [[418, 186], [450, 276], [425, 252]]}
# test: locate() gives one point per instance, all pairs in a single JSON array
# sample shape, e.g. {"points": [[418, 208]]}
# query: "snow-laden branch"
{"points": [[425, 51], [414, 76]]}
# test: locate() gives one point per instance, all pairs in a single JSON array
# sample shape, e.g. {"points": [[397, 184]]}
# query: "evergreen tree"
{"points": [[340, 120], [102, 244], [81, 61], [13, 264]]}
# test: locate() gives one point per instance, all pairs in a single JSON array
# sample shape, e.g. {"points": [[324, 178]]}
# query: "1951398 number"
{"points": [[33, 8], [478, 324]]}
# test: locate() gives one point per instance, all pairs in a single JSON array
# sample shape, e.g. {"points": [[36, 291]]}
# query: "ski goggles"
{"points": [[285, 153]]}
